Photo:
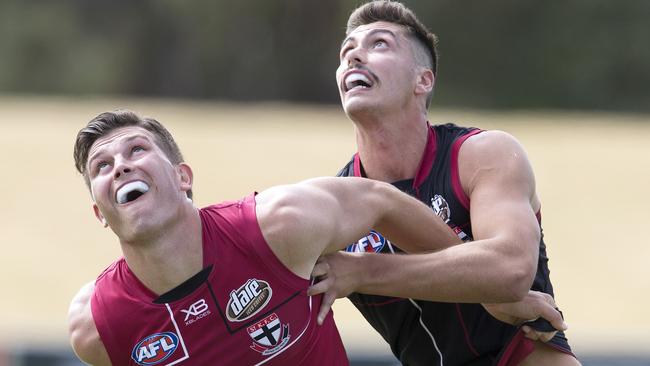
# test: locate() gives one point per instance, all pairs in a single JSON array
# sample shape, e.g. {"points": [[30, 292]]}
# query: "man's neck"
{"points": [[391, 148], [169, 259]]}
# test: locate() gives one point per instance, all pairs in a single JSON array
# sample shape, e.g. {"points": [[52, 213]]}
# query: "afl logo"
{"points": [[155, 348], [374, 242], [248, 300], [441, 208]]}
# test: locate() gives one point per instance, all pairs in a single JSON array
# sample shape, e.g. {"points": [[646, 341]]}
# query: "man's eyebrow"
{"points": [[372, 32], [131, 138], [126, 140]]}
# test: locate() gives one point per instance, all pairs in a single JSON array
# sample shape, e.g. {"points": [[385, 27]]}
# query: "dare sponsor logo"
{"points": [[155, 348], [248, 300], [373, 242]]}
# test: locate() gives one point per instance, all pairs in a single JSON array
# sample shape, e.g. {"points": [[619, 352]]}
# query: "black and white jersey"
{"points": [[433, 333]]}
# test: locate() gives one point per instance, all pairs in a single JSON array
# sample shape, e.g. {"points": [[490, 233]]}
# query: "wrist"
{"points": [[366, 270]]}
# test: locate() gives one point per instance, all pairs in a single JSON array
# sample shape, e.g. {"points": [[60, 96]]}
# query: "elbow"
{"points": [[520, 268], [519, 284], [518, 281]]}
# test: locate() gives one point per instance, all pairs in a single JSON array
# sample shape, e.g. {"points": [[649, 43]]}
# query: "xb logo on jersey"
{"points": [[199, 310], [155, 348]]}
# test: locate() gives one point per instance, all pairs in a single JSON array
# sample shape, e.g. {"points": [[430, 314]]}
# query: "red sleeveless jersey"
{"points": [[244, 308]]}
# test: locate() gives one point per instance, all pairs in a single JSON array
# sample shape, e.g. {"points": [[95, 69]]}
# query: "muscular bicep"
{"points": [[84, 337], [497, 176], [302, 221]]}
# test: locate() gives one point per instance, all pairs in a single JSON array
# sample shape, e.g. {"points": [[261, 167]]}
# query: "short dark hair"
{"points": [[106, 122], [395, 12]]}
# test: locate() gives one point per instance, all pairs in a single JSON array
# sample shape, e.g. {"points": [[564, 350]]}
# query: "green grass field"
{"points": [[593, 173]]}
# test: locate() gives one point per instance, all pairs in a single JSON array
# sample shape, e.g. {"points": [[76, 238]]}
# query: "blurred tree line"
{"points": [[578, 54]]}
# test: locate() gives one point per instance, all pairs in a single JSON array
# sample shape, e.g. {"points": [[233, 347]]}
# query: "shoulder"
{"points": [[312, 208], [226, 212], [301, 221], [288, 207], [84, 336], [316, 191], [492, 147], [287, 218], [495, 156], [291, 195], [491, 141]]}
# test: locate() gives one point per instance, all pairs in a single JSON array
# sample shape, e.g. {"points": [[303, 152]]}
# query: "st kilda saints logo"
{"points": [[248, 300], [269, 335], [441, 208]]}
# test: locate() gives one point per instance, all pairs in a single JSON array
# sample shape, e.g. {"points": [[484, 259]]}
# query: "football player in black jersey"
{"points": [[426, 306]]}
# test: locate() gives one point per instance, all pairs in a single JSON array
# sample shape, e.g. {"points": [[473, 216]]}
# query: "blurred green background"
{"points": [[255, 80], [576, 54]]}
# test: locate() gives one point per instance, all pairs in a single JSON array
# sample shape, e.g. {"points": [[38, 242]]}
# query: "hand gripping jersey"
{"points": [[431, 333], [243, 308]]}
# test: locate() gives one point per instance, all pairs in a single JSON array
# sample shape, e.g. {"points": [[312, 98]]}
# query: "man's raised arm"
{"points": [[302, 221]]}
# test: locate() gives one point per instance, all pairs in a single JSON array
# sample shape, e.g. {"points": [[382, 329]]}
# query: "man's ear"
{"points": [[186, 175], [99, 216], [425, 82]]}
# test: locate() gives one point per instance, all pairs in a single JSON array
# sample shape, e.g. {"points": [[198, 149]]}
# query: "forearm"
{"points": [[471, 273]]}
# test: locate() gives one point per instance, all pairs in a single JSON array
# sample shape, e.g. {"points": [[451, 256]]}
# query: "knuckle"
{"points": [[548, 298]]}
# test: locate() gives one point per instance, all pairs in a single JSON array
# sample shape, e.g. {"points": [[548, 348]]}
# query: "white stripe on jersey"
{"points": [[433, 339], [180, 337]]}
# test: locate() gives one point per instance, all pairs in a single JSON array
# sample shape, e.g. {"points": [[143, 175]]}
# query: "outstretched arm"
{"points": [[84, 337], [339, 272], [300, 222]]}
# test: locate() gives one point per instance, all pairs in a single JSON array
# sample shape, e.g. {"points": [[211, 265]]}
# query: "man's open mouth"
{"points": [[131, 192], [356, 80]]}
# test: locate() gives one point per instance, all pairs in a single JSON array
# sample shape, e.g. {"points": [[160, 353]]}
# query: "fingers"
{"points": [[550, 312], [549, 299], [535, 335], [555, 318], [325, 306], [547, 336], [320, 287], [324, 286]]}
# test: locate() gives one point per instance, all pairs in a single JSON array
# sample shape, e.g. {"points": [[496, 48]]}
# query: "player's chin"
{"points": [[356, 105]]}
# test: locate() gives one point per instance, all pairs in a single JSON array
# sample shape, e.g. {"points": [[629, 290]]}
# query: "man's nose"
{"points": [[122, 167], [357, 55]]}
